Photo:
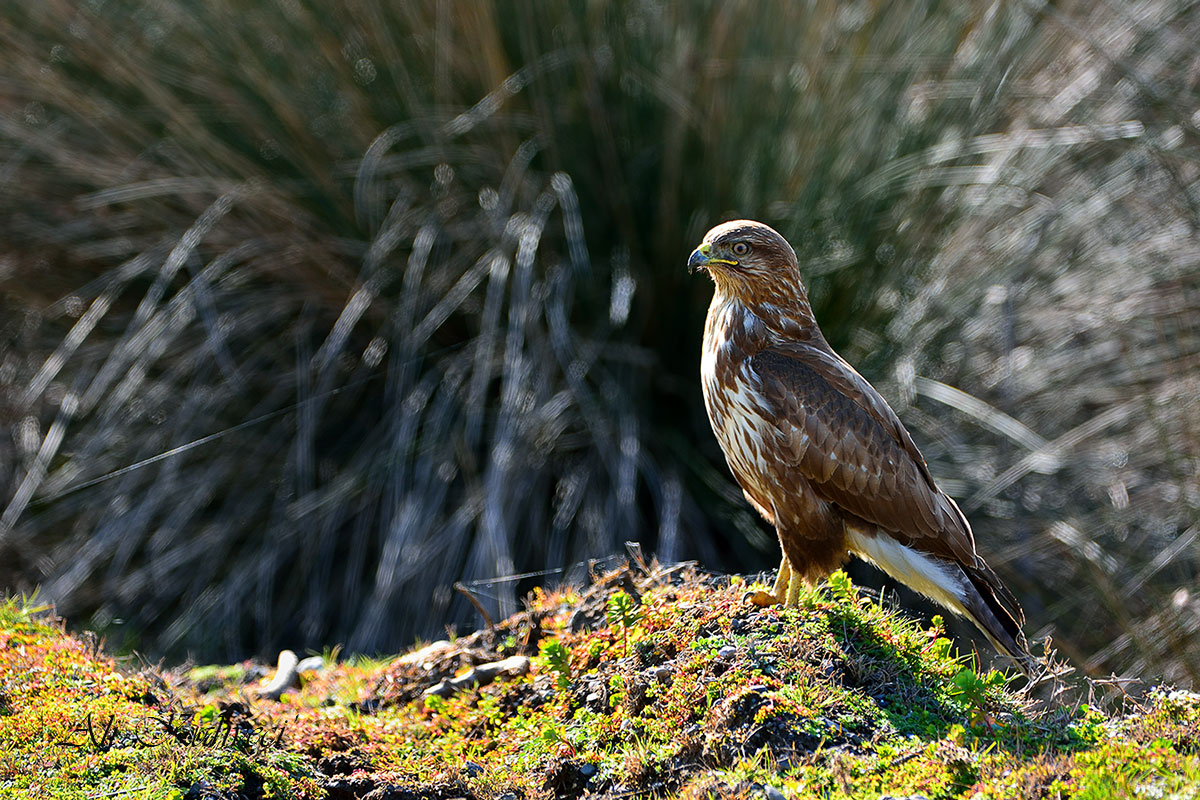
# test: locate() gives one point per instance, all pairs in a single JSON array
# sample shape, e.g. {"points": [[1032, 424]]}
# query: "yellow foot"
{"points": [[787, 585], [760, 598]]}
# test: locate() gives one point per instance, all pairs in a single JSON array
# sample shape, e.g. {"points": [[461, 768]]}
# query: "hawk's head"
{"points": [[750, 261]]}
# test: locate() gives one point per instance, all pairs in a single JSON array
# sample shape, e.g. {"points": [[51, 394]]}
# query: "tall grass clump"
{"points": [[393, 296]]}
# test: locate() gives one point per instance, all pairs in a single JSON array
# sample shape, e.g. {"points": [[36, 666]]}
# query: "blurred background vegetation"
{"points": [[394, 294]]}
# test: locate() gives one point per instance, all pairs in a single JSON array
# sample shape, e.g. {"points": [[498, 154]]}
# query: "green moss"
{"points": [[78, 725], [688, 689]]}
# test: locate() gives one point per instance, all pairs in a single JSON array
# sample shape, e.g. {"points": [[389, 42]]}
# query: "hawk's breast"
{"points": [[736, 409]]}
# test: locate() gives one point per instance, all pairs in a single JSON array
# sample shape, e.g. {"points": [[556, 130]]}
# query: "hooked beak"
{"points": [[702, 257]]}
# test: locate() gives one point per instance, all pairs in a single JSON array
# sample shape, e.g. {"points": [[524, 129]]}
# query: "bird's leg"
{"points": [[793, 592], [787, 585], [782, 579]]}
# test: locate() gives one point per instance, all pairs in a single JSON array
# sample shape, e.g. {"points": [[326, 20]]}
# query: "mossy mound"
{"points": [[652, 682]]}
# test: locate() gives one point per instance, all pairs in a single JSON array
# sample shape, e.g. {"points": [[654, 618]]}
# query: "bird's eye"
{"points": [[740, 248]]}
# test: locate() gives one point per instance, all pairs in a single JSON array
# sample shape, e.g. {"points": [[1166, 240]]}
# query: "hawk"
{"points": [[819, 453]]}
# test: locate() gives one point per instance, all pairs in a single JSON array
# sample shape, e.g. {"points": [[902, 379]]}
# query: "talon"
{"points": [[760, 598]]}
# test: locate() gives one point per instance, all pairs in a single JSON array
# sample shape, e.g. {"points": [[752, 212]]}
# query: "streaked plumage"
{"points": [[818, 452]]}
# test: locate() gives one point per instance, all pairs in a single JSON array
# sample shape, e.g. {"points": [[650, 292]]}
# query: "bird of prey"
{"points": [[819, 453]]}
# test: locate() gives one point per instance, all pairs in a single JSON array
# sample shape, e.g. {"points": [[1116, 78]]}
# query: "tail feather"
{"points": [[996, 613], [974, 591]]}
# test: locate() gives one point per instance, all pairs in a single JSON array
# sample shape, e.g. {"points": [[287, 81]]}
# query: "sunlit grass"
{"points": [[843, 696]]}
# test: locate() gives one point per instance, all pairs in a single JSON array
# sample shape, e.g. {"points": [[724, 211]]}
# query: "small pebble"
{"points": [[587, 770], [473, 770], [773, 794], [662, 674], [727, 652]]}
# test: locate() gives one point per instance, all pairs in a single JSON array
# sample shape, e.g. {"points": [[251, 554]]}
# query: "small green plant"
{"points": [[973, 688], [616, 690], [435, 704], [1089, 724], [553, 734], [841, 587], [624, 612], [557, 659], [207, 714]]}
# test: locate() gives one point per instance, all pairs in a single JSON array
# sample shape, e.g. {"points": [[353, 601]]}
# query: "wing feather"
{"points": [[841, 435]]}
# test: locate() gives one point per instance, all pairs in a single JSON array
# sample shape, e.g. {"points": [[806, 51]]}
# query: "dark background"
{"points": [[420, 268]]}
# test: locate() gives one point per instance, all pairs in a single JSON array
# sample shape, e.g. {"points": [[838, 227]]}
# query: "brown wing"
{"points": [[841, 435]]}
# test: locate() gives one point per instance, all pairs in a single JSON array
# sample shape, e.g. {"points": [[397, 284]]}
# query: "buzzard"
{"points": [[819, 453]]}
